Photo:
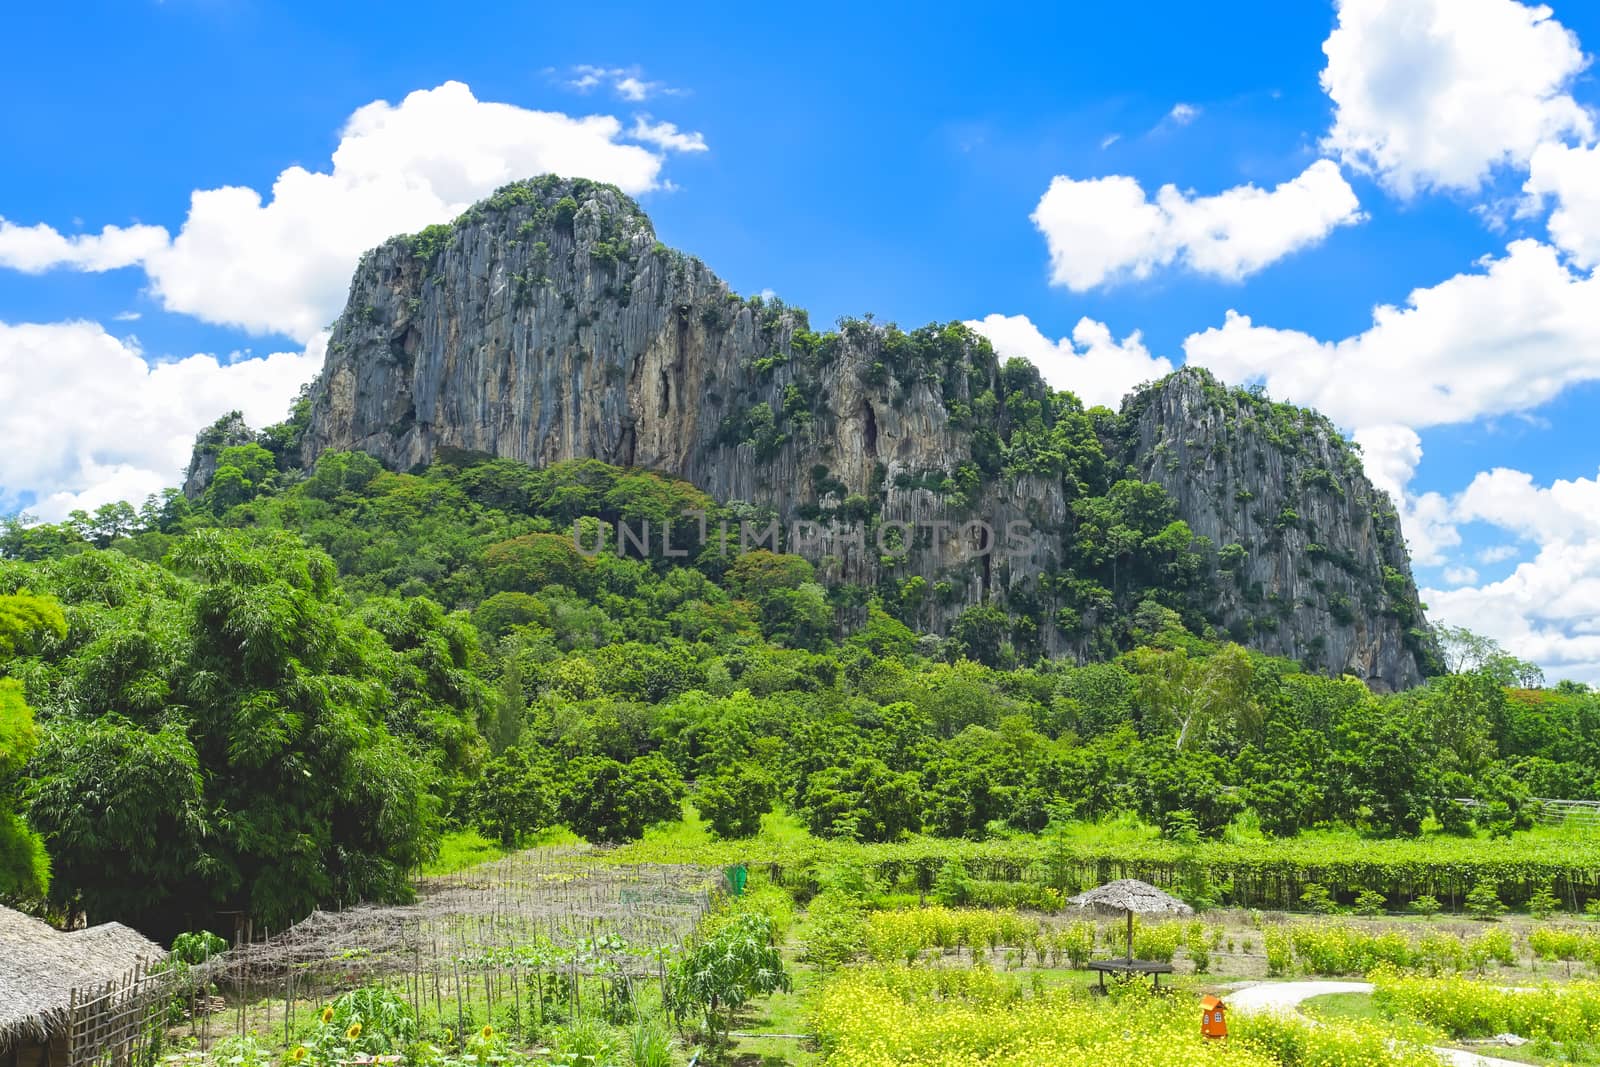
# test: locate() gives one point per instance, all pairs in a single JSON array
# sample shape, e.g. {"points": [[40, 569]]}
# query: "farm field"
{"points": [[568, 955]]}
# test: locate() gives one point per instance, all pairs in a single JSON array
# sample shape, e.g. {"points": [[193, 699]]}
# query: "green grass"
{"points": [[778, 828], [461, 849], [780, 1013], [1343, 1007]]}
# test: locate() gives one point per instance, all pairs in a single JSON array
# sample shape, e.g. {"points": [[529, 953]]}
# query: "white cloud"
{"points": [[282, 265], [1572, 177], [1391, 455], [38, 248], [1091, 364], [1566, 510], [627, 82], [1182, 114], [102, 424], [1548, 609], [1101, 230], [1498, 341], [1544, 611], [1436, 93], [1497, 554], [666, 136], [1501, 340], [1429, 526]]}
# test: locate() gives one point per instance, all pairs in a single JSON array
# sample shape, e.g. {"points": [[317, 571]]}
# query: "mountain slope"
{"points": [[548, 323]]}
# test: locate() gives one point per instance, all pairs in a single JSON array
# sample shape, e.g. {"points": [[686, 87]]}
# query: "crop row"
{"points": [[1467, 1009], [1322, 948], [894, 1015], [1271, 874]]}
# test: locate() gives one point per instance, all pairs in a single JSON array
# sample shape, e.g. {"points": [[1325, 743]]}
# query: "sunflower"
{"points": [[297, 1054], [486, 1033], [327, 1015], [353, 1033]]}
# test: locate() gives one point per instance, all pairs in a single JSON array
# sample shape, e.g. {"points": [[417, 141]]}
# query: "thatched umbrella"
{"points": [[1133, 897]]}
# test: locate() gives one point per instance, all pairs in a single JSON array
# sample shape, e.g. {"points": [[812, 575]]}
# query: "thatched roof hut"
{"points": [[41, 966]]}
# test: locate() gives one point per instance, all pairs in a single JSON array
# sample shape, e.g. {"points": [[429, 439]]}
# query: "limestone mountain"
{"points": [[547, 323]]}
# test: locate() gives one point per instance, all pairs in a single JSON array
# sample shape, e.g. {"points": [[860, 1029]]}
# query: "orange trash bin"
{"points": [[1213, 1017]]}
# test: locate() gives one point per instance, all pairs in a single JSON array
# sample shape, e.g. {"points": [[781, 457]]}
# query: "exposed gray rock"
{"points": [[548, 324], [1324, 577], [226, 432]]}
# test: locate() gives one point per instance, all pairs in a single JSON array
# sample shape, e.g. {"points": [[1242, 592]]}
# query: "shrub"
{"points": [[1426, 904], [1196, 946], [1483, 902], [1316, 898], [1280, 952], [719, 973], [1543, 903], [1371, 902], [951, 886]]}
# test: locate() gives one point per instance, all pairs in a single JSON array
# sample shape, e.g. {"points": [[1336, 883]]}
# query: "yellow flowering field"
{"points": [[1466, 1008], [897, 1016]]}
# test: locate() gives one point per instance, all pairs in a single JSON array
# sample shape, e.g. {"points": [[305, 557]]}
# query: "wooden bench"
{"points": [[1153, 968]]}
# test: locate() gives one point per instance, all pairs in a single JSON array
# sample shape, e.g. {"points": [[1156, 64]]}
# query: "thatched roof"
{"points": [[40, 966], [1133, 896]]}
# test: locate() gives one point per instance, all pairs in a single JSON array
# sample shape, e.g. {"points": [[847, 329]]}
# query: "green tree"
{"points": [[313, 743], [514, 796], [864, 800], [980, 633], [606, 800], [719, 973], [1185, 695], [734, 800], [123, 811], [25, 621]]}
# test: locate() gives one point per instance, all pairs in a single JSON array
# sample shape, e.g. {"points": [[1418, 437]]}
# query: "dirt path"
{"points": [[1284, 998]]}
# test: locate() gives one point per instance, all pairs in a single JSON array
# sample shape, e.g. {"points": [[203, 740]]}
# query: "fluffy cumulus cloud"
{"points": [[1102, 230], [1434, 94], [1571, 178], [666, 136], [1090, 363], [1504, 338], [37, 248], [1548, 608], [1499, 340], [281, 264], [104, 424]]}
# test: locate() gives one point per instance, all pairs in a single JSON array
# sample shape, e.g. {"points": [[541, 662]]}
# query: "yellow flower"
{"points": [[353, 1033], [486, 1033], [327, 1014], [298, 1054]]}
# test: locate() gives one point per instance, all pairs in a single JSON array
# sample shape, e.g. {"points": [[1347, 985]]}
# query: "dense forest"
{"points": [[282, 693]]}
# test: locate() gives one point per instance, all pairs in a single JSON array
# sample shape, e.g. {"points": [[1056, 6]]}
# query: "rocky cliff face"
{"points": [[1310, 561], [549, 324]]}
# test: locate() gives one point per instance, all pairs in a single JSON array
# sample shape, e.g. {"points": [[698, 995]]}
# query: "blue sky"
{"points": [[919, 162]]}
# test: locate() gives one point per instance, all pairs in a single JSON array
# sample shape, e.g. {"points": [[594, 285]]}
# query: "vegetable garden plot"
{"points": [[529, 938]]}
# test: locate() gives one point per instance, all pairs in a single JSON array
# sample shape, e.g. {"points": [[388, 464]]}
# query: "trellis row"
{"points": [[500, 942]]}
